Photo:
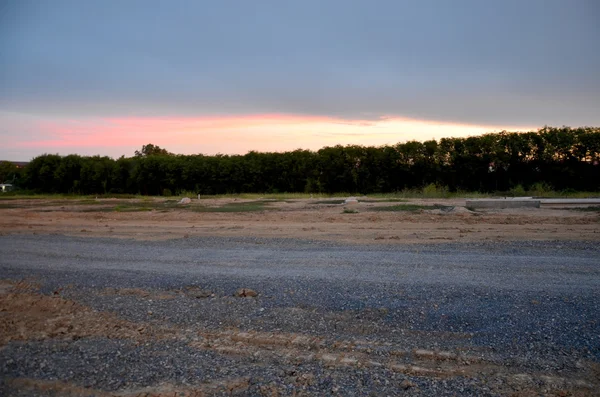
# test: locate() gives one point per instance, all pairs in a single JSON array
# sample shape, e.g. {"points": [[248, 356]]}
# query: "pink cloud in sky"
{"points": [[227, 134]]}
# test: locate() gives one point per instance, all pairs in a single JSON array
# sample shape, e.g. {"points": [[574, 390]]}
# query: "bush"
{"points": [[540, 189], [435, 191], [518, 191]]}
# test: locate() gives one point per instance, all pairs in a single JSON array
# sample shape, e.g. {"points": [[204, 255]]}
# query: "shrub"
{"points": [[435, 191], [540, 189], [518, 191]]}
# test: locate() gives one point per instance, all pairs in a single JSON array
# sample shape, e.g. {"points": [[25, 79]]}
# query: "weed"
{"points": [[187, 193], [349, 211]]}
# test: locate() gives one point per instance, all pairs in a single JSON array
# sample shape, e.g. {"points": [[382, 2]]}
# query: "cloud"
{"points": [[211, 135], [230, 76]]}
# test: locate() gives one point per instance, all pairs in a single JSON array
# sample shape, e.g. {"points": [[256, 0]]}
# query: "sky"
{"points": [[108, 76]]}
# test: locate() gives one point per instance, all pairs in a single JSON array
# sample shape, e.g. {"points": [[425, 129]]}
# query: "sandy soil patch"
{"points": [[28, 315], [308, 219]]}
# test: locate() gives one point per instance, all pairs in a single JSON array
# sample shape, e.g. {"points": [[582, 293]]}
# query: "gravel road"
{"points": [[481, 319]]}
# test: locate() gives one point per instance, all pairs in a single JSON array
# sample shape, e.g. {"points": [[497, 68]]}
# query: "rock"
{"points": [[197, 293], [406, 384], [202, 294], [351, 200], [245, 293], [185, 200]]}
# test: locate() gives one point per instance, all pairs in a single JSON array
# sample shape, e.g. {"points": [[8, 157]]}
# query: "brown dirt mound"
{"points": [[28, 315]]}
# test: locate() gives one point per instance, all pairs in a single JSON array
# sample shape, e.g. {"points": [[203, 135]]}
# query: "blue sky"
{"points": [[70, 68]]}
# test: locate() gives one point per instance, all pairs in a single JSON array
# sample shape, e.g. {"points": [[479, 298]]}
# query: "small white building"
{"points": [[5, 187]]}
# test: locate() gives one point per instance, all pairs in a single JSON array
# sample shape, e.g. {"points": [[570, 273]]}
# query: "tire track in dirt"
{"points": [[28, 315], [297, 349]]}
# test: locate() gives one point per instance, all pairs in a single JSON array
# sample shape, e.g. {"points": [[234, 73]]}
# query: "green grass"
{"points": [[10, 196], [593, 208], [255, 196], [170, 205], [127, 208], [55, 202], [274, 196], [407, 208], [234, 207], [30, 196], [51, 203], [428, 192], [332, 202], [383, 200], [349, 211], [122, 206]]}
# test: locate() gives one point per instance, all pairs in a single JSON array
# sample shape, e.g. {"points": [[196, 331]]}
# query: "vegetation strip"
{"points": [[562, 159]]}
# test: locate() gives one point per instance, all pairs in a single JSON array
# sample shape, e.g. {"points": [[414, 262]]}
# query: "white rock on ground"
{"points": [[185, 200]]}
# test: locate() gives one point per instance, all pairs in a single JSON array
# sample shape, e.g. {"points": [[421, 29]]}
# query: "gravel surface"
{"points": [[329, 319]]}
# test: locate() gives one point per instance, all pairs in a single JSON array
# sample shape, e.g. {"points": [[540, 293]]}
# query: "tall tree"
{"points": [[152, 150]]}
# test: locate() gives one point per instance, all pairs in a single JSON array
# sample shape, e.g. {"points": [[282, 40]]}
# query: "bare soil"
{"points": [[306, 219], [28, 315]]}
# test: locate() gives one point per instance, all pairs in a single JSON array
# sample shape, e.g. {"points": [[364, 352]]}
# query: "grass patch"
{"points": [[19, 195], [332, 202], [408, 208], [233, 207], [593, 208], [50, 203], [384, 200], [277, 196], [143, 205], [566, 194], [349, 211], [126, 208], [428, 192]]}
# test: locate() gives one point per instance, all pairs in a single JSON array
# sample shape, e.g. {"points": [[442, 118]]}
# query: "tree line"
{"points": [[560, 158]]}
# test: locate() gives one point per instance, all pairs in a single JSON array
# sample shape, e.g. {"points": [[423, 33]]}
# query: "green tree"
{"points": [[40, 173], [9, 172], [152, 150]]}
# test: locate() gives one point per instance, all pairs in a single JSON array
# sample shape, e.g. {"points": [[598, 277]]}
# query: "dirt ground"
{"points": [[306, 219], [28, 315]]}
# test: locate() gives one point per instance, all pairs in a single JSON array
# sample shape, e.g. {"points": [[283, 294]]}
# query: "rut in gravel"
{"points": [[29, 315]]}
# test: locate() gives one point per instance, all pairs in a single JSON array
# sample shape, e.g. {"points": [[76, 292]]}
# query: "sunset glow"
{"points": [[231, 135], [105, 78]]}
